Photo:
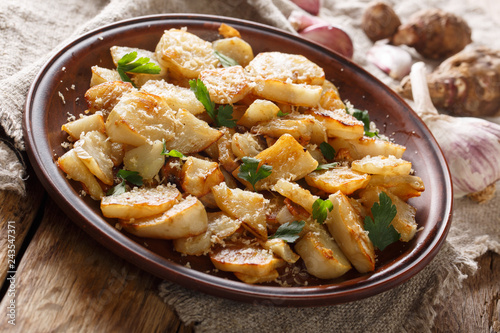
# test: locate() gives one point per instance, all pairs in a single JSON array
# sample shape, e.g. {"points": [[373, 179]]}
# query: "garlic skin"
{"points": [[310, 6], [470, 145], [300, 20], [392, 60], [331, 37]]}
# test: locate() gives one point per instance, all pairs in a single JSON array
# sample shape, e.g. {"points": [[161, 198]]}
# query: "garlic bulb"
{"points": [[392, 60], [470, 145]]}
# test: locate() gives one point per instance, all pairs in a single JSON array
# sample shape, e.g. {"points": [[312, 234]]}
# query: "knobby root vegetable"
{"points": [[379, 21]]}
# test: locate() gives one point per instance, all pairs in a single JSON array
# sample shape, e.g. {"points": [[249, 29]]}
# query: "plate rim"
{"points": [[142, 257]]}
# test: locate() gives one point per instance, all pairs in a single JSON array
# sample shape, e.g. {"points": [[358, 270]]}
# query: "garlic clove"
{"points": [[310, 6], [392, 60], [300, 20], [470, 145], [331, 37]]}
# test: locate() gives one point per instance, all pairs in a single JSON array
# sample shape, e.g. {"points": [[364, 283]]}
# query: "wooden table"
{"points": [[67, 282]]}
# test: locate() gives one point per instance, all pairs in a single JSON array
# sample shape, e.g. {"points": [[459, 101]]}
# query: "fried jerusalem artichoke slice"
{"points": [[185, 54], [364, 146], [94, 150], [382, 165], [289, 160], [140, 202], [176, 97], [261, 110], [250, 207], [346, 227], [338, 179], [338, 123], [234, 48], [198, 176], [243, 256], [103, 97], [185, 219], [140, 118], [84, 124], [76, 170], [146, 159], [402, 186], [226, 85], [101, 75], [322, 256], [296, 193]]}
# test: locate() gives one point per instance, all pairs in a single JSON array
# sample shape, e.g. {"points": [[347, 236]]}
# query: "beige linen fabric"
{"points": [[30, 31]]}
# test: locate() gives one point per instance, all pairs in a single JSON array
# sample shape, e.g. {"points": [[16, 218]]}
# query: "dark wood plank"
{"points": [[68, 282], [476, 307], [17, 213]]}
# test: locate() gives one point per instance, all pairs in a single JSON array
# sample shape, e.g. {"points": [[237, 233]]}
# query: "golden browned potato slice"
{"points": [[403, 186], [117, 153], [296, 193], [117, 52], [322, 256], [346, 227], [339, 123], [286, 67], [141, 118], [101, 75], [330, 99], [249, 259], [259, 111], [185, 54], [280, 248], [85, 124], [245, 145], [250, 207], [192, 135], [105, 96], [404, 221], [146, 159], [288, 93], [220, 226], [185, 219], [225, 153], [289, 161], [198, 176], [251, 279], [226, 85], [176, 97], [359, 148], [234, 48], [338, 179], [140, 202], [94, 150], [303, 128], [76, 170], [382, 165]]}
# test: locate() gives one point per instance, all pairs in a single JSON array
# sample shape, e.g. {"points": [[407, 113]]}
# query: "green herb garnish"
{"points": [[142, 65], [223, 116], [327, 150], [282, 114], [225, 60], [362, 115], [326, 166], [171, 153], [380, 229], [289, 232], [320, 209], [125, 175], [251, 172]]}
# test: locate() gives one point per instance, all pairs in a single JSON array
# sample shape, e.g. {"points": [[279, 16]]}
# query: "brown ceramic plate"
{"points": [[59, 89]]}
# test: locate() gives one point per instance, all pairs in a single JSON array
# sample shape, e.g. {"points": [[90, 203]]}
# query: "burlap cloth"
{"points": [[31, 30]]}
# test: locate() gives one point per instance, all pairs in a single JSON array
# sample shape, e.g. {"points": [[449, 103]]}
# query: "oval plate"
{"points": [[59, 89]]}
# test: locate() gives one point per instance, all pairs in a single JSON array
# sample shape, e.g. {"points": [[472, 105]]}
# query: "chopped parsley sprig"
{"points": [[223, 116], [225, 60], [132, 177], [171, 153], [380, 230], [251, 172], [362, 115], [289, 232], [129, 64], [320, 209]]}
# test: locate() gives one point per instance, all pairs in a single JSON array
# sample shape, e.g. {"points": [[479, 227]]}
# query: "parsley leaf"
{"points": [[142, 65], [171, 153], [380, 229], [282, 114], [223, 116], [126, 175], [289, 232], [326, 166], [251, 172], [225, 60], [362, 115], [320, 209], [327, 150]]}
